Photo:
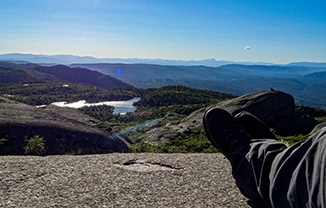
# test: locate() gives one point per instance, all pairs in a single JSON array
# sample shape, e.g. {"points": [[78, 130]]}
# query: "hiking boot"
{"points": [[224, 131], [255, 127]]}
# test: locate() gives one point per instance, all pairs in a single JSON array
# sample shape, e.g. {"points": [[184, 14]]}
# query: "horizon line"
{"points": [[162, 59]]}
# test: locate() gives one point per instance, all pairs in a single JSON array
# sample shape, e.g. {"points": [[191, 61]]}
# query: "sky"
{"points": [[235, 30]]}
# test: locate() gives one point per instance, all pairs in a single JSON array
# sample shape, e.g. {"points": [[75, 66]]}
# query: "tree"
{"points": [[34, 146]]}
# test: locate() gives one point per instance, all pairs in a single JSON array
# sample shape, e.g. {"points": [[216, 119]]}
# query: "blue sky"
{"points": [[276, 31]]}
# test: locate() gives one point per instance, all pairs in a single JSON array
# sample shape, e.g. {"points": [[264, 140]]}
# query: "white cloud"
{"points": [[82, 39], [247, 48]]}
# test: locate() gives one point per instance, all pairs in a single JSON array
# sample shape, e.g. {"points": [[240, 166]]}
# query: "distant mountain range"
{"points": [[306, 84], [70, 59], [304, 80]]}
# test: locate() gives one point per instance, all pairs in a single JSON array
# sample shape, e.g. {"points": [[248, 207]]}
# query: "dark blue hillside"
{"points": [[82, 75]]}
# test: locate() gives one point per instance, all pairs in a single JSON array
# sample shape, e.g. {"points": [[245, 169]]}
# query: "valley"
{"points": [[305, 83], [168, 96]]}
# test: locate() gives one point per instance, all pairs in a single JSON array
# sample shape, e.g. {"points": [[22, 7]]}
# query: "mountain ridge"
{"points": [[82, 75], [11, 72], [70, 59], [235, 79]]}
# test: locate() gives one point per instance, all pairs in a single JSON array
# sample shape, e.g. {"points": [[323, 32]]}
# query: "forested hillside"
{"points": [[10, 72], [305, 83], [180, 95], [46, 92], [81, 75]]}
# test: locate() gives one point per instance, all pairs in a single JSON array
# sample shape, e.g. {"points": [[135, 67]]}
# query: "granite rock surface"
{"points": [[119, 180]]}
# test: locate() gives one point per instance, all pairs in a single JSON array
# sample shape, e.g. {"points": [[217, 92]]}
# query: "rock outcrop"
{"points": [[318, 127], [120, 180], [64, 130], [275, 108]]}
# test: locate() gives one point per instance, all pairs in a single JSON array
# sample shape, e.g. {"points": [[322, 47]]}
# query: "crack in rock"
{"points": [[143, 166]]}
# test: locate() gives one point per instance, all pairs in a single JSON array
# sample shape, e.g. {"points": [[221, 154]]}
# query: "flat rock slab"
{"points": [[119, 180]]}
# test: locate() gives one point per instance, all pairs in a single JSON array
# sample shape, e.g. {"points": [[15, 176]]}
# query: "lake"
{"points": [[121, 107]]}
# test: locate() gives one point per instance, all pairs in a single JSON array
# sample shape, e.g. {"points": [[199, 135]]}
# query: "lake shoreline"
{"points": [[120, 107]]}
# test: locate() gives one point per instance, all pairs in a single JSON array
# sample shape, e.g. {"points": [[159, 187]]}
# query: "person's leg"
{"points": [[299, 174], [265, 169], [251, 165], [230, 137], [280, 176], [264, 148]]}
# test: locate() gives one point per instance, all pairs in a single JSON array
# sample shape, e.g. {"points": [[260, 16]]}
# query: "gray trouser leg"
{"points": [[266, 170]]}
